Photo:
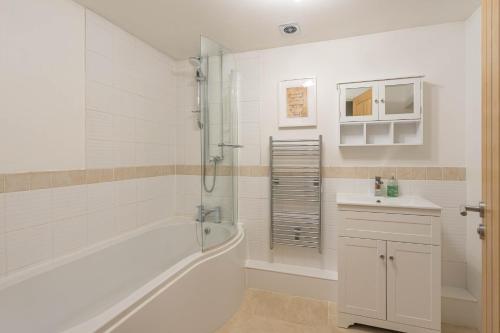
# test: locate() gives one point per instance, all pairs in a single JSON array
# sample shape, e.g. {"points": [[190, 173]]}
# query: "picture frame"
{"points": [[297, 103]]}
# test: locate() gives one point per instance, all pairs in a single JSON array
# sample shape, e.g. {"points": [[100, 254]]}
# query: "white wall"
{"points": [[425, 50], [473, 151], [126, 120], [131, 99], [43, 85]]}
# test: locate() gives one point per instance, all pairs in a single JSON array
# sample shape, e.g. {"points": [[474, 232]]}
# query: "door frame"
{"points": [[491, 164]]}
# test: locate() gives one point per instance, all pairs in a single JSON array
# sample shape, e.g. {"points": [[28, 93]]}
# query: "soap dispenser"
{"points": [[392, 187]]}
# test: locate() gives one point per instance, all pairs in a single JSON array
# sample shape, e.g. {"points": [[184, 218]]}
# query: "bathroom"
{"points": [[249, 166]]}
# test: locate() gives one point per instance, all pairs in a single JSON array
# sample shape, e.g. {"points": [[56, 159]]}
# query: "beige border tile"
{"points": [[40, 180], [43, 180], [254, 171], [17, 182], [434, 173], [125, 173], [68, 178], [454, 173]]}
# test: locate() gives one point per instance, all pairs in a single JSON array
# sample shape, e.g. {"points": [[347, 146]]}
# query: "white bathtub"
{"points": [[153, 280]]}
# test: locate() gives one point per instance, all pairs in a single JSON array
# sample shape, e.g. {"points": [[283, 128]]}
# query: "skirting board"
{"points": [[292, 284], [456, 310]]}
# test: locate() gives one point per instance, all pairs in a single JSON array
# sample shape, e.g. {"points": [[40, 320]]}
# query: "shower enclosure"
{"points": [[216, 113]]}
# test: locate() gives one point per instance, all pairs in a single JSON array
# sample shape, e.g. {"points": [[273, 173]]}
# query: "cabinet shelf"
{"points": [[381, 133], [381, 113]]}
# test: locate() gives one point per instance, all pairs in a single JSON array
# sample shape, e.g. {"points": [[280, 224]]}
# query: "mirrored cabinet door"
{"points": [[400, 99], [359, 102]]}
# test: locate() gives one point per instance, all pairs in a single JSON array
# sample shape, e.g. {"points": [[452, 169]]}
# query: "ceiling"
{"points": [[174, 26]]}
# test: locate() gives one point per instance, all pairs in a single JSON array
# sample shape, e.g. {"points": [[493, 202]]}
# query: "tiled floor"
{"points": [[268, 312]]}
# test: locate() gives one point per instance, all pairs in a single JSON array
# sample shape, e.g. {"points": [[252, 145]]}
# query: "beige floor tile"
{"points": [[448, 328], [307, 311], [269, 312], [270, 305]]}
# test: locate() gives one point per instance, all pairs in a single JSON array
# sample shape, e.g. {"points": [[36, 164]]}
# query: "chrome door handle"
{"points": [[234, 146], [479, 209]]}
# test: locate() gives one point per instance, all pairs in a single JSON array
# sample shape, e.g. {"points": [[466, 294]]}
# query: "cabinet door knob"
{"points": [[376, 101], [382, 101], [382, 256], [391, 257]]}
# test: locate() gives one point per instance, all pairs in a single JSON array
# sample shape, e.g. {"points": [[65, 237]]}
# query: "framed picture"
{"points": [[297, 103]]}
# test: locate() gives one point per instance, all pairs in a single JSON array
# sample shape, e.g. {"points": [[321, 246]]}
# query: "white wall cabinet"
{"points": [[390, 267], [382, 112]]}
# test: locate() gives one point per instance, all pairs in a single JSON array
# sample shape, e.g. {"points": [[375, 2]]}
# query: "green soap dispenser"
{"points": [[392, 188]]}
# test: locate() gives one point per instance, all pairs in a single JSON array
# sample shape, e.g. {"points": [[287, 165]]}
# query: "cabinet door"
{"points": [[362, 277], [414, 284], [400, 99], [359, 102]]}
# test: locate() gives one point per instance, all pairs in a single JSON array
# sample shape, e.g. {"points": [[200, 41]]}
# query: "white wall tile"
{"points": [[254, 187], [249, 111], [453, 227], [125, 217], [2, 213], [98, 36], [70, 235], [124, 103], [98, 68], [69, 201], [250, 134], [100, 225], [99, 154], [99, 97], [28, 246], [125, 192], [26, 209], [99, 125], [124, 154], [123, 129], [3, 257], [100, 196], [250, 155]]}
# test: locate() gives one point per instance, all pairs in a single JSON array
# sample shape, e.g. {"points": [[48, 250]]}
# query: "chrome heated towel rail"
{"points": [[296, 192]]}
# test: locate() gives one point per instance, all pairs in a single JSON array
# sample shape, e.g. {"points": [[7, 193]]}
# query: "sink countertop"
{"points": [[405, 201]]}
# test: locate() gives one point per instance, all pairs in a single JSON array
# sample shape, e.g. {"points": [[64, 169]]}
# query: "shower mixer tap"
{"points": [[204, 212]]}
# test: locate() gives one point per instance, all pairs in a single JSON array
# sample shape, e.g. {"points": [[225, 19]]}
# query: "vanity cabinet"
{"points": [[389, 266], [381, 112]]}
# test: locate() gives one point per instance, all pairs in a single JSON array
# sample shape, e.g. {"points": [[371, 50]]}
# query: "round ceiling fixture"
{"points": [[289, 29]]}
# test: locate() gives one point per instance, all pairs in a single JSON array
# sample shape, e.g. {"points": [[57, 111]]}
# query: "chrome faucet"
{"points": [[203, 212], [379, 186]]}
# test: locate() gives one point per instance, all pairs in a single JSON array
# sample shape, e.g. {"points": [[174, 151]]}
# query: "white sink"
{"points": [[405, 201]]}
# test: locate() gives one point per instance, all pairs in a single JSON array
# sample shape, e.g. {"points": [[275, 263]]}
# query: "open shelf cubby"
{"points": [[408, 132], [352, 134], [381, 133]]}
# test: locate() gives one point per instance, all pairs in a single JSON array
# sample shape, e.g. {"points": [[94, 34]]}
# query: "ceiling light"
{"points": [[289, 29]]}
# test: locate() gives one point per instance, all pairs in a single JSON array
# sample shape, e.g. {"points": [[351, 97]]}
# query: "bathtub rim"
{"points": [[118, 313], [29, 272]]}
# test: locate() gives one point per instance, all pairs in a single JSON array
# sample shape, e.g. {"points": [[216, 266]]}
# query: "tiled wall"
{"points": [[434, 170], [130, 157], [254, 212], [41, 224], [131, 88]]}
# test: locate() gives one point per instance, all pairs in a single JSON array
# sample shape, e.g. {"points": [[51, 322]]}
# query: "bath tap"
{"points": [[204, 212]]}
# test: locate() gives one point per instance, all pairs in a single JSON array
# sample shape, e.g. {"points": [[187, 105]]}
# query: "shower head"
{"points": [[195, 61]]}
